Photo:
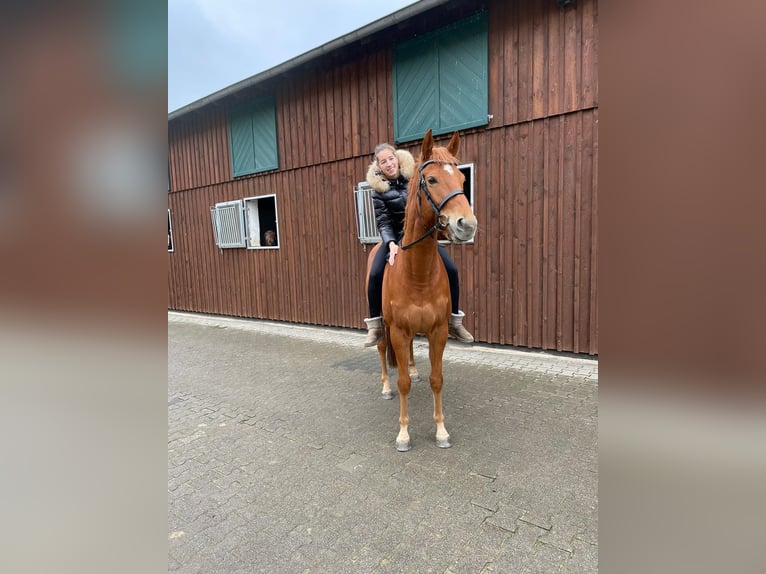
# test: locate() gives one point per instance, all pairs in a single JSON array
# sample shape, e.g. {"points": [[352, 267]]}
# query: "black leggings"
{"points": [[375, 288]]}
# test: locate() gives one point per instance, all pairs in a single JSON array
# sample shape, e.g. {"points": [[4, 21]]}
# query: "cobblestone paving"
{"points": [[281, 457]]}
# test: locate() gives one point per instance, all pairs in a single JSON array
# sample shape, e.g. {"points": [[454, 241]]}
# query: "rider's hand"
{"points": [[393, 249]]}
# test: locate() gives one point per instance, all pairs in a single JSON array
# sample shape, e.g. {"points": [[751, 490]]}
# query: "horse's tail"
{"points": [[389, 347]]}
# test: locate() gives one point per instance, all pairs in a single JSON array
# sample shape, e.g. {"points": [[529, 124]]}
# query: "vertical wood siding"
{"points": [[530, 277]]}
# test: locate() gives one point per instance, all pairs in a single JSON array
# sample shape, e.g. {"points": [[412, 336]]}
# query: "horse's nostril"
{"points": [[460, 223]]}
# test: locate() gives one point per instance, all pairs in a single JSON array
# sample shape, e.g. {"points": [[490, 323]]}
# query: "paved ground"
{"points": [[281, 457]]}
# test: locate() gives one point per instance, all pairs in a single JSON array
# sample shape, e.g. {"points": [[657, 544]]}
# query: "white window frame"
{"points": [[228, 223], [171, 242], [469, 179], [253, 225]]}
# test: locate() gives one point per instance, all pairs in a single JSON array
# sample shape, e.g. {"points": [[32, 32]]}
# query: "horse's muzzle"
{"points": [[462, 229]]}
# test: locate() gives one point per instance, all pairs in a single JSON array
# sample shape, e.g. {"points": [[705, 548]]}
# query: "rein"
{"points": [[441, 221]]}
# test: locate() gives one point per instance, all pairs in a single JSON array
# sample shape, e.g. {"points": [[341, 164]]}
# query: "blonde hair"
{"points": [[380, 147]]}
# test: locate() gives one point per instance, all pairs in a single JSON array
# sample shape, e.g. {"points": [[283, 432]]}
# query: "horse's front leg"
{"points": [[436, 343], [387, 393], [401, 350]]}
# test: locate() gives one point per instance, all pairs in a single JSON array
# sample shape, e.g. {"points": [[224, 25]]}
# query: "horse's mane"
{"points": [[441, 154]]}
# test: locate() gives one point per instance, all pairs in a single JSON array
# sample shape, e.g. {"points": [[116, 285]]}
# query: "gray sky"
{"points": [[215, 43]]}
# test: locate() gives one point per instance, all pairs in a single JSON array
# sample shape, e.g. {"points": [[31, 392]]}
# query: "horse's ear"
{"points": [[454, 144], [428, 146]]}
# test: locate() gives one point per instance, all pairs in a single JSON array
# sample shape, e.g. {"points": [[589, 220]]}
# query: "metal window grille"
{"points": [[228, 224], [365, 214]]}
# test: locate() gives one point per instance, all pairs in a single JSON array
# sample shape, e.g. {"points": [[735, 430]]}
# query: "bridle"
{"points": [[441, 220]]}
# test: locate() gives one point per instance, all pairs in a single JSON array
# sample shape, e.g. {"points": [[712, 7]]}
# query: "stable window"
{"points": [[441, 80], [253, 137], [367, 227], [467, 170], [170, 232], [228, 224], [262, 222]]}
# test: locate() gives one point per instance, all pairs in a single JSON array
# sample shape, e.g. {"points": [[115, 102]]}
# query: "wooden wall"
{"points": [[529, 279]]}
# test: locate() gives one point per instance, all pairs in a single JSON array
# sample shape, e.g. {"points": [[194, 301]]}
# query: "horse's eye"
{"points": [[431, 180]]}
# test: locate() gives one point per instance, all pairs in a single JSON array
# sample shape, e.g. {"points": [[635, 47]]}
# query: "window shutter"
{"points": [[463, 91], [265, 136], [228, 224], [416, 89], [253, 137], [242, 147], [367, 227], [441, 80]]}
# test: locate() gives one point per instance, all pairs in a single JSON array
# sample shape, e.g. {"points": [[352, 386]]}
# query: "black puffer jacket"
{"points": [[390, 198], [389, 210]]}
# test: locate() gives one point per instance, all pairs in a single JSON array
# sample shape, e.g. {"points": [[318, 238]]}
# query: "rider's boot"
{"points": [[374, 331], [457, 330]]}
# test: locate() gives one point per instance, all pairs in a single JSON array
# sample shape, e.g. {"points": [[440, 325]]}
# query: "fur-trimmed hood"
{"points": [[379, 182]]}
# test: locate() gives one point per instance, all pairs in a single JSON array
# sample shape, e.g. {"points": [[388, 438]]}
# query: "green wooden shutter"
{"points": [[253, 137], [463, 92], [441, 80], [416, 89], [241, 135], [265, 136]]}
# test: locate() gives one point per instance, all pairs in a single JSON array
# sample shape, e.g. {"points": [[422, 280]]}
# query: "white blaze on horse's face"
{"points": [[448, 169]]}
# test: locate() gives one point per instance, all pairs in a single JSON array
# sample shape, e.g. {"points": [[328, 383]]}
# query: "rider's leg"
{"points": [[456, 328], [375, 297]]}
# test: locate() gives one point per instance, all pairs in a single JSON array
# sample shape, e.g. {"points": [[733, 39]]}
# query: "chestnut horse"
{"points": [[416, 294], [383, 345]]}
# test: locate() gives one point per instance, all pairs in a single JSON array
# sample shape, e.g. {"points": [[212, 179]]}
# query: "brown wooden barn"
{"points": [[285, 149]]}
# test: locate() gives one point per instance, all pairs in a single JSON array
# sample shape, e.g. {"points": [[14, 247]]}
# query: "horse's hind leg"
{"points": [[411, 368], [436, 346], [387, 393]]}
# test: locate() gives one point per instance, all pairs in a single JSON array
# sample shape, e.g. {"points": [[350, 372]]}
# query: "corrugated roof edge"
{"points": [[354, 36]]}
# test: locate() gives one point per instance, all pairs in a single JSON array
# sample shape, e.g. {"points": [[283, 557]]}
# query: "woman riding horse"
{"points": [[389, 176]]}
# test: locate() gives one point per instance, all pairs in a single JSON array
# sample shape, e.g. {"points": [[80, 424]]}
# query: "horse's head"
{"points": [[442, 185]]}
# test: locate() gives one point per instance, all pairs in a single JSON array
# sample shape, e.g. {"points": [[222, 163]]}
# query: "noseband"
{"points": [[441, 220]]}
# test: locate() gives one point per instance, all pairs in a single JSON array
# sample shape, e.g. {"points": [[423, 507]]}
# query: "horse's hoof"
{"points": [[443, 443], [403, 446], [388, 396]]}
